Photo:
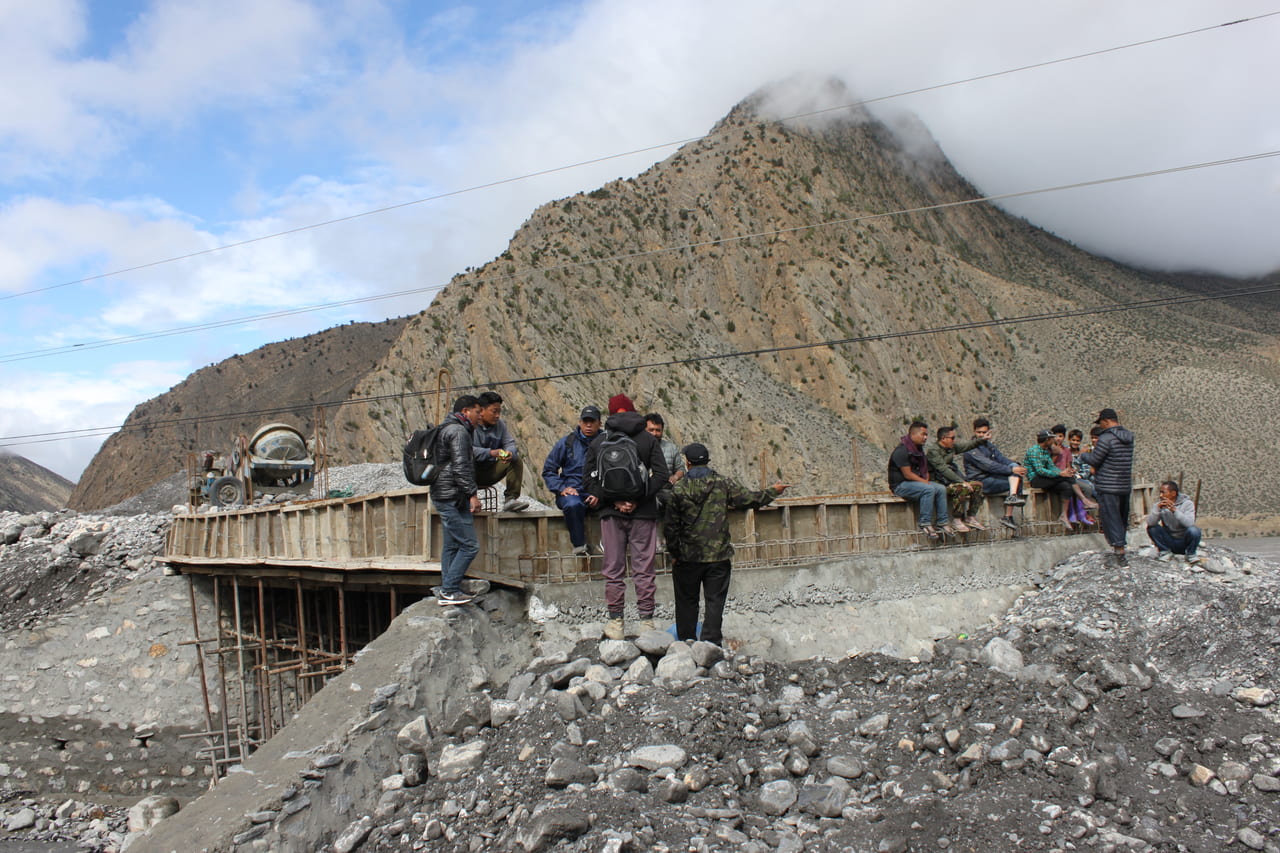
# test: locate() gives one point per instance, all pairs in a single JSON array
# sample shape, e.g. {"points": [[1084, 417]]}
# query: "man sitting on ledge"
{"points": [[1171, 524], [998, 473], [909, 480]]}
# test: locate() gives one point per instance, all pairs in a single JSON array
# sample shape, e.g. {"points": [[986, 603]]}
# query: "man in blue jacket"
{"points": [[564, 473], [998, 473]]}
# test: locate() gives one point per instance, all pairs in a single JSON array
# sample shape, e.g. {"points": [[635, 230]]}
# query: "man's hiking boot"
{"points": [[646, 623], [615, 629]]}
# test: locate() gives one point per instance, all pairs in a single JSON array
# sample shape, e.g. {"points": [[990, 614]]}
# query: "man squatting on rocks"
{"points": [[909, 480], [564, 474], [454, 496], [964, 496], [697, 534], [497, 459], [627, 523], [1171, 525], [1112, 462]]}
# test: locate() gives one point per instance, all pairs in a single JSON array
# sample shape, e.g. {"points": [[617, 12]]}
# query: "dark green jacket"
{"points": [[942, 462], [697, 520]]}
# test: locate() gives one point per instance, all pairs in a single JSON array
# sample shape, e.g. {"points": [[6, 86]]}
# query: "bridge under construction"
{"points": [[291, 592]]}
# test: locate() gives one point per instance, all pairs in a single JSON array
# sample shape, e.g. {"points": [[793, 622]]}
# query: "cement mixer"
{"points": [[276, 460]]}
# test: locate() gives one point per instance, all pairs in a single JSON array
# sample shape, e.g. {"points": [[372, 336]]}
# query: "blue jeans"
{"points": [[459, 546], [932, 498], [1187, 543], [575, 518]]}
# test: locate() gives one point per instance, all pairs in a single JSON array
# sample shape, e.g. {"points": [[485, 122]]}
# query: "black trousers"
{"points": [[1060, 486], [1113, 513], [711, 580]]}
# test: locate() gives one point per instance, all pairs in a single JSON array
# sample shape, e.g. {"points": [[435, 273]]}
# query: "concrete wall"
{"points": [[897, 602], [96, 698]]}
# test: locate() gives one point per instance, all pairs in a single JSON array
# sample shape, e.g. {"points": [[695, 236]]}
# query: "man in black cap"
{"points": [[697, 531], [1112, 462], [565, 472]]}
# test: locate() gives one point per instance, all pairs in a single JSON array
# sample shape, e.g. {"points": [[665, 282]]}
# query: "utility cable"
{"points": [[1144, 304], [628, 256], [643, 150]]}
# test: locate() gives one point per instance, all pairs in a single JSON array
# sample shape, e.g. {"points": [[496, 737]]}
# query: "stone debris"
{"points": [[1108, 710]]}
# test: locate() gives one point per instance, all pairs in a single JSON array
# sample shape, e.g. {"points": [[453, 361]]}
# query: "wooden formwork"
{"points": [[394, 537]]}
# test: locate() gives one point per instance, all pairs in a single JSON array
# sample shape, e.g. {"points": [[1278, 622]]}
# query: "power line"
{"points": [[626, 256], [1144, 304], [643, 150]]}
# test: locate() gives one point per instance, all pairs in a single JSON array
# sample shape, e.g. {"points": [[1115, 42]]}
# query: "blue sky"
{"points": [[133, 132]]}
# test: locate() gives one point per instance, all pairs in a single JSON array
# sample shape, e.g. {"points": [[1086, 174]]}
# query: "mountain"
{"points": [[711, 287], [28, 487]]}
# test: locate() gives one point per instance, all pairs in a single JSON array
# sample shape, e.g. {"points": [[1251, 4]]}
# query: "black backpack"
{"points": [[420, 466], [619, 471]]}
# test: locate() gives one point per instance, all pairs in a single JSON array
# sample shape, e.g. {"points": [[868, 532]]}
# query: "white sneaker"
{"points": [[515, 505], [581, 551], [1164, 556]]}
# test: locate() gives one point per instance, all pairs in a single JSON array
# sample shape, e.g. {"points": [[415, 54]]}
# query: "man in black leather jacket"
{"points": [[454, 496]]}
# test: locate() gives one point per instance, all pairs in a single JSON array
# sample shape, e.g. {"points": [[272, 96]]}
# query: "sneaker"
{"points": [[515, 505], [1122, 559], [581, 551], [615, 629], [1194, 559], [956, 526], [973, 523], [447, 598], [1007, 521], [930, 531], [1015, 500], [1164, 556]]}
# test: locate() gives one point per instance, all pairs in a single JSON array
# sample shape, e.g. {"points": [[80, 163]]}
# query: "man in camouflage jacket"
{"points": [[697, 533]]}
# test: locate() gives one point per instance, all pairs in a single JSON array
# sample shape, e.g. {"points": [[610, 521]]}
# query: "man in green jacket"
{"points": [[697, 532], [964, 495]]}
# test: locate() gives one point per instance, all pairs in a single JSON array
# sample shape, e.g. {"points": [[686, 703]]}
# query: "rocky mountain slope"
{"points": [[28, 487], [651, 285], [283, 381]]}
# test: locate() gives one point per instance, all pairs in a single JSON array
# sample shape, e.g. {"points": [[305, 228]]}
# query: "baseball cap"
{"points": [[589, 413]]}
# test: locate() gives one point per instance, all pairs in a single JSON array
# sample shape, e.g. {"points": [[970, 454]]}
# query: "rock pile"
{"points": [[86, 825], [50, 561], [1088, 719]]}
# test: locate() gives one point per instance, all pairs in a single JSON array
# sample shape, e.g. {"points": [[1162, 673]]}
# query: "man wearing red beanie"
{"points": [[625, 469]]}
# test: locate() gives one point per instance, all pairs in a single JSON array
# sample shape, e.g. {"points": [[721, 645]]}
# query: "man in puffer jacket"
{"points": [[454, 496], [1112, 461]]}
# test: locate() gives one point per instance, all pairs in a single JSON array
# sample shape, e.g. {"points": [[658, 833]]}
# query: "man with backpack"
{"points": [[453, 492], [625, 471]]}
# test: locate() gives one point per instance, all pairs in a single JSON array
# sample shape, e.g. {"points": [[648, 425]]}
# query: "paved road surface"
{"points": [[1261, 546]]}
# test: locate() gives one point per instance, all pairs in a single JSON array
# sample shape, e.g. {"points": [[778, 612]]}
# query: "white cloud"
{"points": [[37, 404]]}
